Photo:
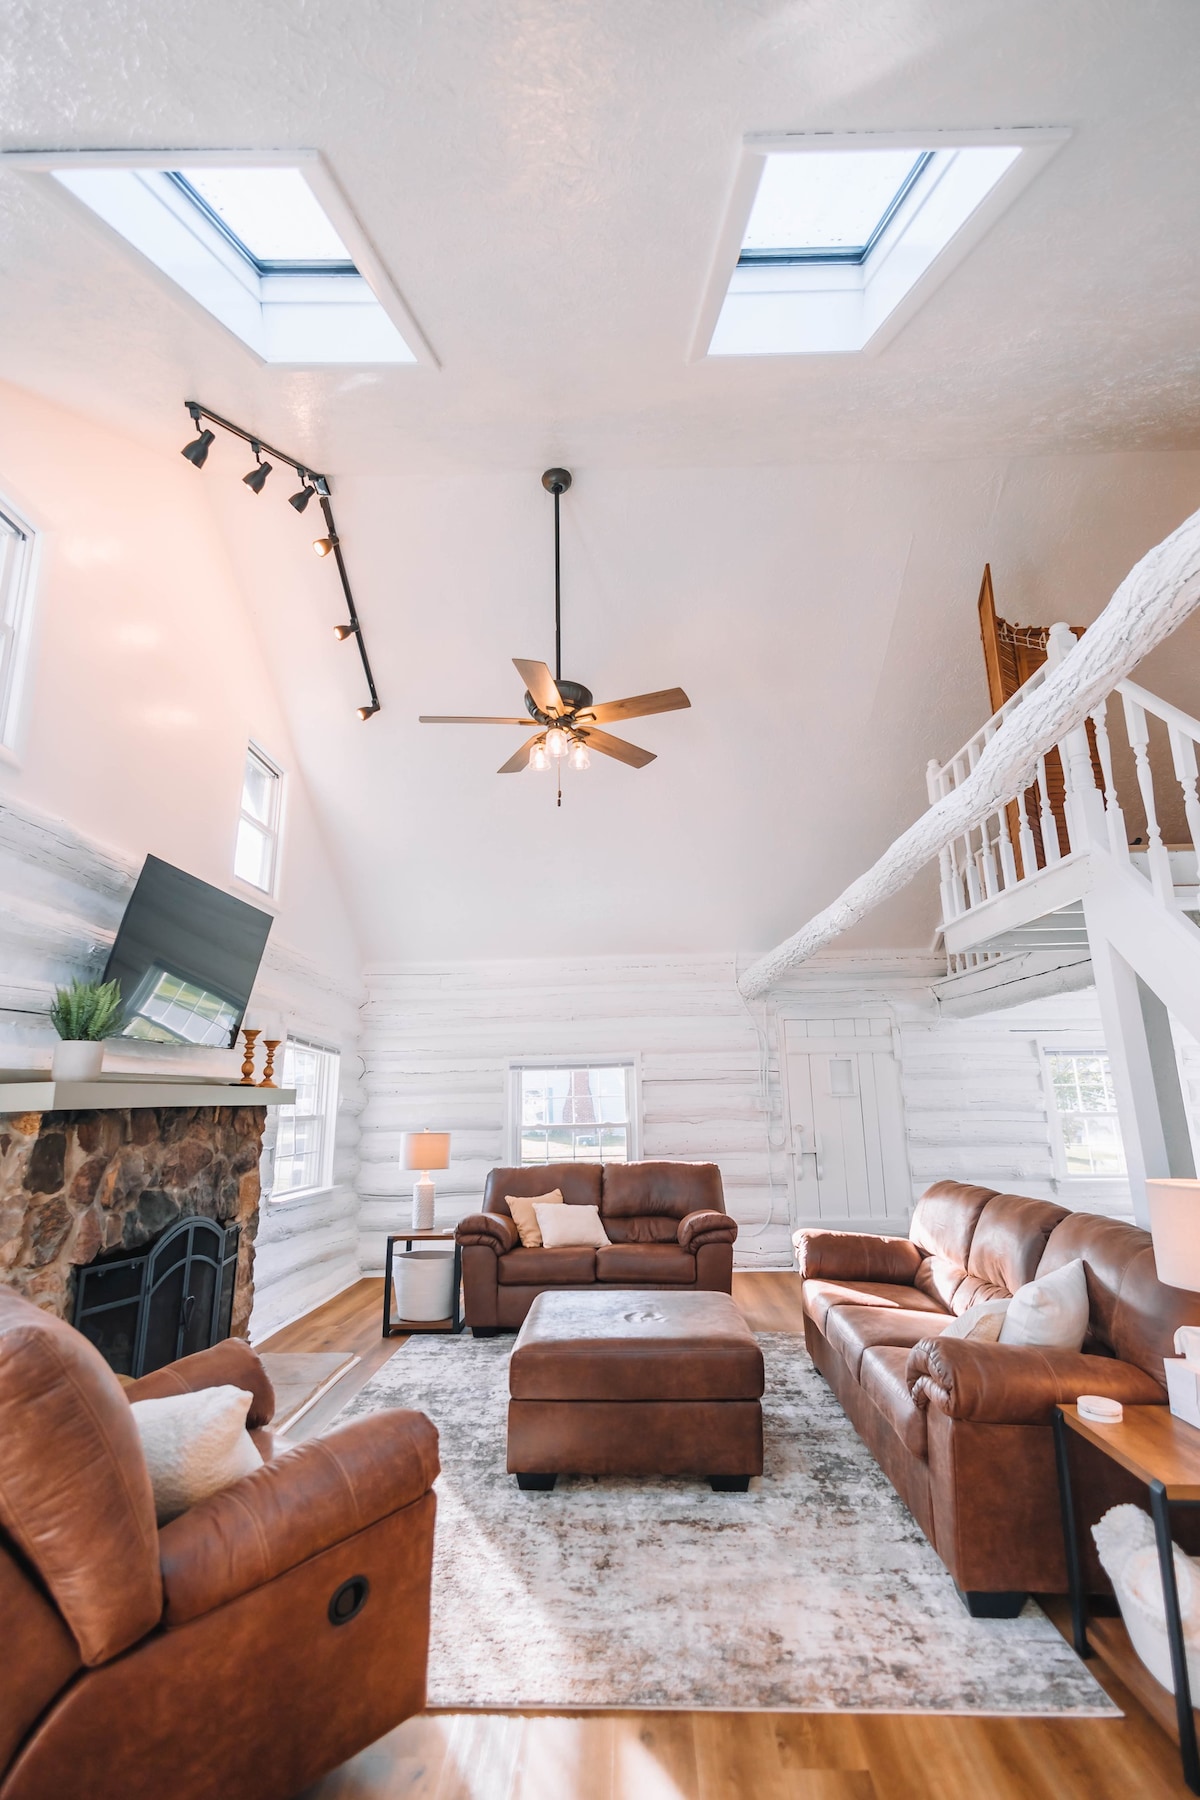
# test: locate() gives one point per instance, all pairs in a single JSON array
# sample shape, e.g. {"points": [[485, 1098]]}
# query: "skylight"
{"points": [[834, 240], [828, 206], [271, 216]]}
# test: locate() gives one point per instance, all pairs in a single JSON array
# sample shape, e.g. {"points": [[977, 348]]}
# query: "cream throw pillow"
{"points": [[525, 1219], [981, 1322], [1050, 1313], [195, 1445], [564, 1227]]}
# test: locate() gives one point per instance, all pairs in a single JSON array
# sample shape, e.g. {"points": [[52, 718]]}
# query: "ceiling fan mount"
{"points": [[568, 717]]}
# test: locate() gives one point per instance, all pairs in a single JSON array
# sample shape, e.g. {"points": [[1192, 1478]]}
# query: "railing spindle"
{"points": [[1139, 738], [1183, 755], [1118, 835], [1050, 848]]}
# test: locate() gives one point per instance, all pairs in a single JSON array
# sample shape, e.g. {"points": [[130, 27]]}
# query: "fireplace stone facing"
{"points": [[75, 1185]]}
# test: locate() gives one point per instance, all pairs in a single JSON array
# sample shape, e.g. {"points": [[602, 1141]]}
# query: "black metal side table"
{"points": [[1164, 1453], [410, 1328]]}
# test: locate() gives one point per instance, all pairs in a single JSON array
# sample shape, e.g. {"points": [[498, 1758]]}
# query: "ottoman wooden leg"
{"points": [[536, 1483], [729, 1484]]}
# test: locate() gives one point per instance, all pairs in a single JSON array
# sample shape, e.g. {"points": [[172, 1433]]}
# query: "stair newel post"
{"points": [[1183, 755], [1118, 837], [1086, 824], [1139, 738]]}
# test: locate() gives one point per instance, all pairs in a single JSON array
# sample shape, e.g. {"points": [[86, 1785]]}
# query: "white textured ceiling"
{"points": [[796, 541]]}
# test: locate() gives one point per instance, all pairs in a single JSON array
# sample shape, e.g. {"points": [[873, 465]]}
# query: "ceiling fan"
{"points": [[568, 718]]}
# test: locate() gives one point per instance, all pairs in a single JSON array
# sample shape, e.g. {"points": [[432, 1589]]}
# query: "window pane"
{"points": [[825, 200], [273, 213], [574, 1114], [1081, 1083], [304, 1130], [258, 790], [252, 858]]}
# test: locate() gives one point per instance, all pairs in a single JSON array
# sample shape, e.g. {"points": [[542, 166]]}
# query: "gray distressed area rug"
{"points": [[814, 1592]]}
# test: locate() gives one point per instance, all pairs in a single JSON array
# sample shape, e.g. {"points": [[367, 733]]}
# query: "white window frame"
{"points": [[17, 584], [274, 830], [326, 1112], [1058, 1142], [633, 1089]]}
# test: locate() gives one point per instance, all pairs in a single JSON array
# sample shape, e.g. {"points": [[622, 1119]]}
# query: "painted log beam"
{"points": [[1154, 599]]}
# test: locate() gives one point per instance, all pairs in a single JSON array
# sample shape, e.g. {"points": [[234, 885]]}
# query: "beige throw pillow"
{"points": [[981, 1322], [195, 1445], [524, 1217], [1050, 1313], [568, 1227]]}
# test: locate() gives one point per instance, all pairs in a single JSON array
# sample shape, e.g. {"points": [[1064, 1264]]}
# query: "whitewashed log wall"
{"points": [[61, 899], [438, 1042]]}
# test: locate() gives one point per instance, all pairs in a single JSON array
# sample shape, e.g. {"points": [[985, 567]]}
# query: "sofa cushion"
{"points": [[643, 1202], [578, 1183], [943, 1225], [852, 1330], [634, 1263], [547, 1268], [820, 1296], [1008, 1244], [1132, 1313], [885, 1383]]}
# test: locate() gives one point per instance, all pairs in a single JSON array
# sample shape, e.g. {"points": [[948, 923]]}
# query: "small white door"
{"points": [[846, 1112]]}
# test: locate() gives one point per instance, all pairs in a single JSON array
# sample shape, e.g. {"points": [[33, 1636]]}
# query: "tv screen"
{"points": [[186, 956]]}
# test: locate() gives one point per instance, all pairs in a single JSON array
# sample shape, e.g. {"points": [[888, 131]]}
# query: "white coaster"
{"points": [[1099, 1411]]}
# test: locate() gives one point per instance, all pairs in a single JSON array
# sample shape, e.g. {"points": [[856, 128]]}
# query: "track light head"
{"points": [[323, 545], [342, 632], [256, 480], [197, 451], [367, 712], [301, 500]]}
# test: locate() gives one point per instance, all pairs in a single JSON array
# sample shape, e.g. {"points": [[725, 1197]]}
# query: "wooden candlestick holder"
{"points": [[251, 1038], [270, 1045]]}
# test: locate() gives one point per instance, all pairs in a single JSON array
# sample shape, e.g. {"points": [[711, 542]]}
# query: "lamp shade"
{"points": [[425, 1150], [1175, 1228]]}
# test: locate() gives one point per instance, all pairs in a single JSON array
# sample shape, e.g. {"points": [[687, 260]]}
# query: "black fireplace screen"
{"points": [[154, 1305]]}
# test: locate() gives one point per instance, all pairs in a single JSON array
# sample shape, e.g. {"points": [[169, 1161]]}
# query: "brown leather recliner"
{"points": [[245, 1648], [963, 1430], [667, 1222]]}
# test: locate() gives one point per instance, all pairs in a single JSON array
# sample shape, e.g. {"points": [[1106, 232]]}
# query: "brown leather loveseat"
{"points": [[667, 1222], [221, 1657], [963, 1430]]}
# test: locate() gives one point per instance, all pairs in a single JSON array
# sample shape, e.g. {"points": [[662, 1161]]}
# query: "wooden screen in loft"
{"points": [[1011, 653]]}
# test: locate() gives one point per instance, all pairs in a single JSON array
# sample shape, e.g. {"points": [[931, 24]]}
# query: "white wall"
{"points": [[147, 680], [438, 1041]]}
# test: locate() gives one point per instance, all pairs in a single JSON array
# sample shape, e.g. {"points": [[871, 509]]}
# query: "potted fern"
{"points": [[83, 1015]]}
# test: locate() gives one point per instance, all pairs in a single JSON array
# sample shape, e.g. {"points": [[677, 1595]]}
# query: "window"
{"points": [[257, 853], [575, 1113], [270, 249], [16, 596], [1085, 1113], [304, 1132], [831, 235]]}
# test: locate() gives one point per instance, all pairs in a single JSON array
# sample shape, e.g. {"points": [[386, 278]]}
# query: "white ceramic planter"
{"points": [[77, 1060], [424, 1281]]}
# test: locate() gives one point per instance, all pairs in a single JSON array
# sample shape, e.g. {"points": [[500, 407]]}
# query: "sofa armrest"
{"points": [[231, 1363], [495, 1230], [323, 1491], [706, 1227], [1007, 1384], [856, 1256]]}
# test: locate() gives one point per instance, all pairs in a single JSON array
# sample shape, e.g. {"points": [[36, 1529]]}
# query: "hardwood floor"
{"points": [[725, 1756]]}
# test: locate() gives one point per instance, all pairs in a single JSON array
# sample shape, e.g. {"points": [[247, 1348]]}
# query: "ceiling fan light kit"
{"points": [[565, 711]]}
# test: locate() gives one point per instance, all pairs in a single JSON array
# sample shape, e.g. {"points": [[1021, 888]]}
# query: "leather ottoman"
{"points": [[622, 1382]]}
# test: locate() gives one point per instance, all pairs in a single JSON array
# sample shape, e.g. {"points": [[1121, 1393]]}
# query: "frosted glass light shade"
{"points": [[1175, 1228], [425, 1150]]}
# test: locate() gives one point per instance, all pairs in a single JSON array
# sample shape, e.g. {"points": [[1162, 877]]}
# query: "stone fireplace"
{"points": [[75, 1185]]}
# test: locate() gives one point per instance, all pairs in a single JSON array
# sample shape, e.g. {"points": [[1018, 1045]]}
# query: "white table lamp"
{"points": [[422, 1151], [1175, 1229]]}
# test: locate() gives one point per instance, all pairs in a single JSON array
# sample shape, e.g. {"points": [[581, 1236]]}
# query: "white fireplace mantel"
{"points": [[34, 1091]]}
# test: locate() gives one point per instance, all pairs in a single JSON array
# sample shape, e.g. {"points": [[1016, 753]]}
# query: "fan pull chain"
{"points": [[558, 766]]}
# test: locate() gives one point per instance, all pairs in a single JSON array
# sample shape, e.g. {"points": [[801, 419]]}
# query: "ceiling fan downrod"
{"points": [[556, 482]]}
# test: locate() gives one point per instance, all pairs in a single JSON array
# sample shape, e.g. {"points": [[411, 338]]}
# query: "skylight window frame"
{"points": [[289, 266], [295, 288], [853, 255], [1036, 145]]}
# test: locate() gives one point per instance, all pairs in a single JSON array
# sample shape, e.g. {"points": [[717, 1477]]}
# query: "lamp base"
{"points": [[422, 1204]]}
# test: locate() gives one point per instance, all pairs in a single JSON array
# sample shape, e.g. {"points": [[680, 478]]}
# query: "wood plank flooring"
{"points": [[726, 1756]]}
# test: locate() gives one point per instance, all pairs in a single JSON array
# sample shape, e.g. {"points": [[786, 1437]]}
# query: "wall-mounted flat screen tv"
{"points": [[186, 956]]}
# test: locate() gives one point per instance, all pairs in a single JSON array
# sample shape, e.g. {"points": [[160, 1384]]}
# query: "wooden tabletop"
{"points": [[436, 1231], [1151, 1443]]}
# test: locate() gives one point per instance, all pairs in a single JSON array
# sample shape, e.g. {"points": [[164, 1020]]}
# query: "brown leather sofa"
{"points": [[221, 1657], [667, 1222], [963, 1430]]}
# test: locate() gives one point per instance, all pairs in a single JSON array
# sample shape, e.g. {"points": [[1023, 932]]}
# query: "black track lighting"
{"points": [[256, 480], [366, 712], [197, 452], [323, 545], [342, 632], [301, 500]]}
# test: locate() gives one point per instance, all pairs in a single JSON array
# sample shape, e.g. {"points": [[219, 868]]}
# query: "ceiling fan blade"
{"points": [[614, 746], [520, 758], [540, 682], [638, 706], [467, 719]]}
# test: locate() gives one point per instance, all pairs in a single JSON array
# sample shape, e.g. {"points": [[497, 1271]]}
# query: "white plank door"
{"points": [[846, 1114]]}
